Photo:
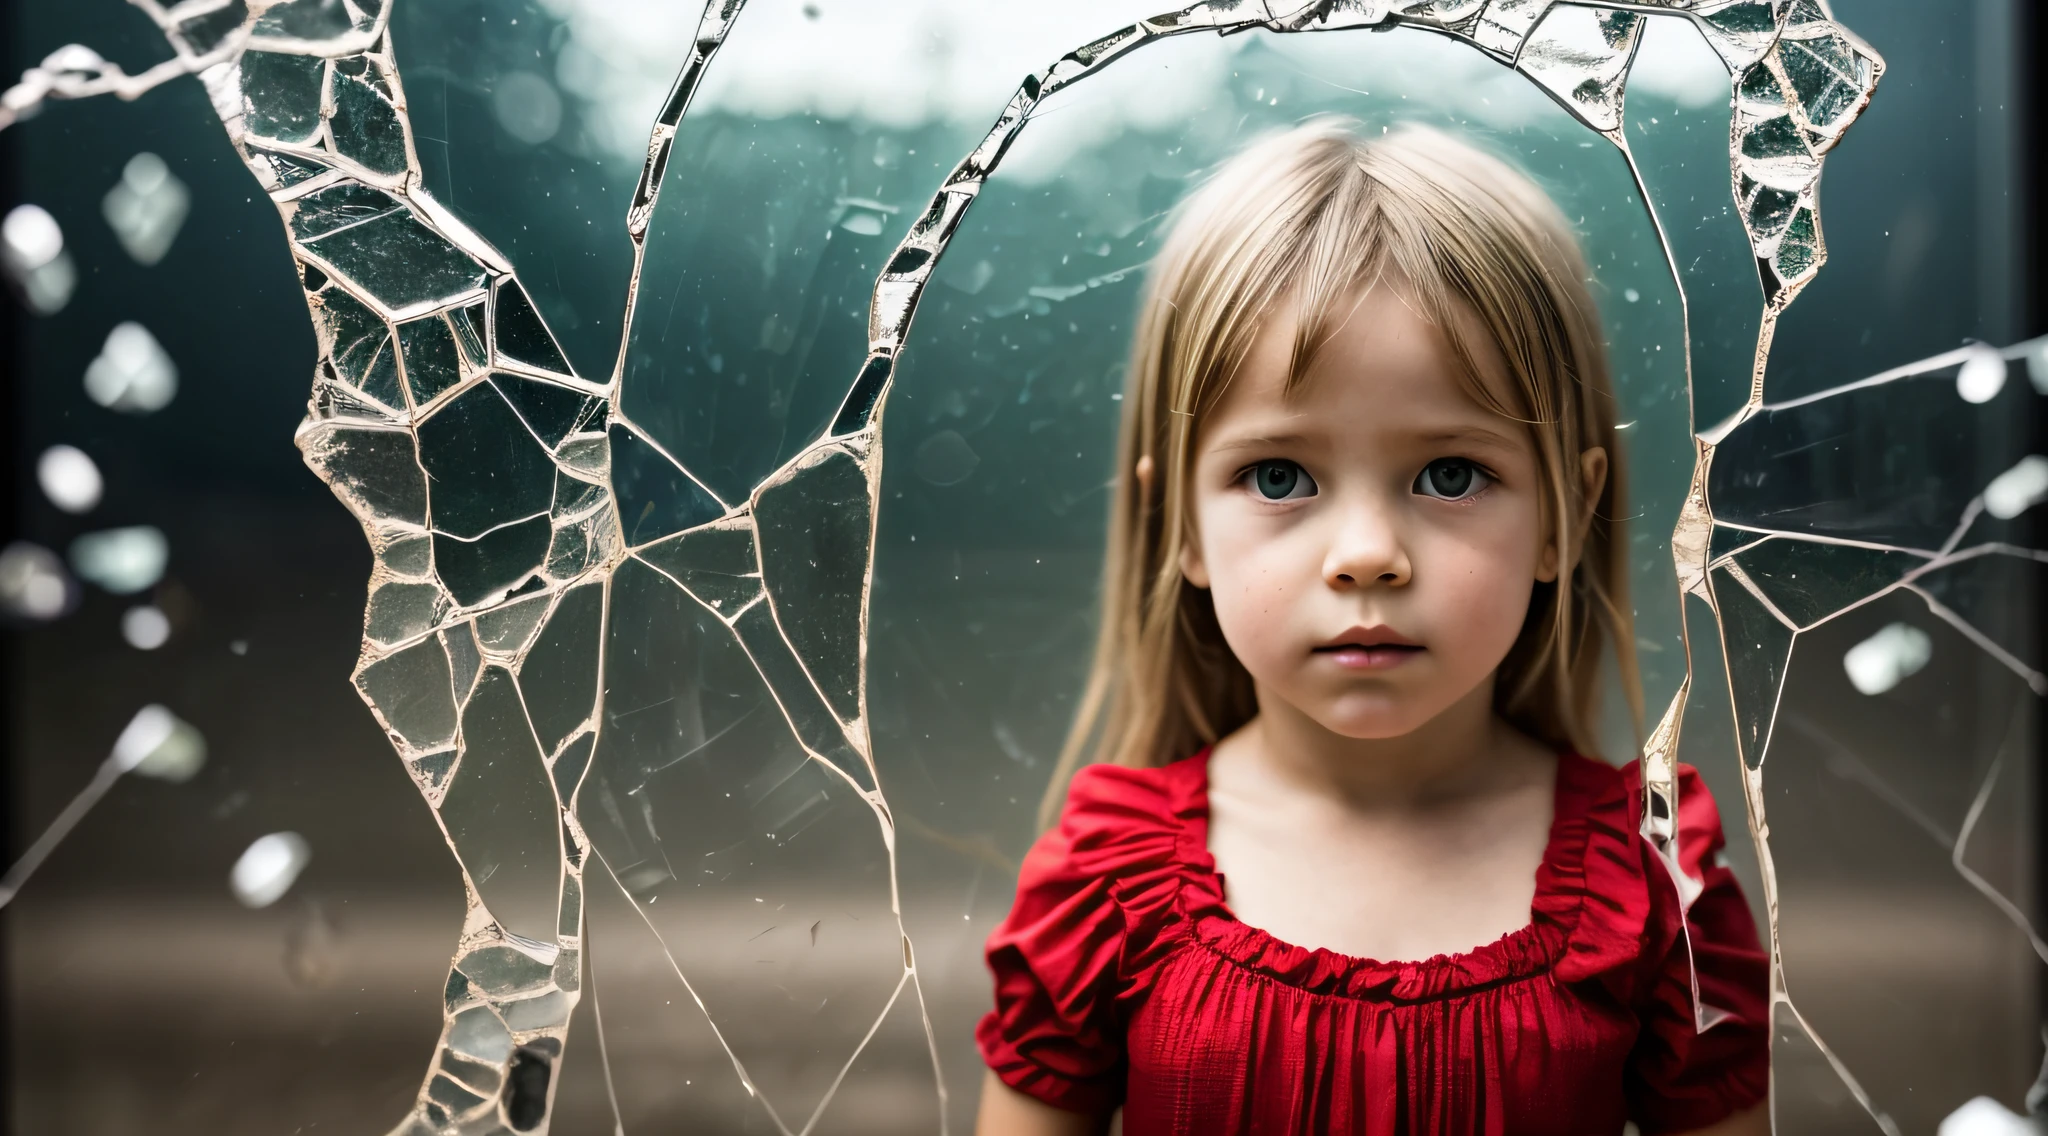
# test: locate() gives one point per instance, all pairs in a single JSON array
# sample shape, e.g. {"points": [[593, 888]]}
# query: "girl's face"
{"points": [[1371, 538]]}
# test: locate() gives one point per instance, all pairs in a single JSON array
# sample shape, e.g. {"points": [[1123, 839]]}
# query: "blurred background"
{"points": [[167, 967]]}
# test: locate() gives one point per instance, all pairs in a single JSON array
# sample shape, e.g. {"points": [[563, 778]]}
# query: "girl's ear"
{"points": [[1191, 567], [1593, 477], [1592, 480]]}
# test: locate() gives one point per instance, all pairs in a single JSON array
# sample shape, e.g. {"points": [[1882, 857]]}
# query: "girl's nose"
{"points": [[1366, 549]]}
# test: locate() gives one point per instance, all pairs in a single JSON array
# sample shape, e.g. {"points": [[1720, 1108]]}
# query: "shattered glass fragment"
{"points": [[359, 343], [809, 716], [551, 411], [400, 611], [409, 554], [519, 335], [464, 659], [480, 1033], [569, 767], [716, 564], [432, 770], [501, 971], [282, 94], [366, 127], [1752, 633], [689, 721], [338, 206], [494, 563], [577, 499], [500, 814], [484, 467], [507, 629], [205, 30], [575, 548], [375, 472], [431, 362], [376, 243], [559, 674], [1809, 580], [814, 528], [656, 496], [1582, 56], [414, 692], [316, 20], [278, 170], [468, 322]]}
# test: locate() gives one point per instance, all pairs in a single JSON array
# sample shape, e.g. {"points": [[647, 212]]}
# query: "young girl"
{"points": [[1361, 566]]}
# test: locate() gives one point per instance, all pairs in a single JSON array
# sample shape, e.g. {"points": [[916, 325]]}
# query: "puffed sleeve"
{"points": [[1057, 1030], [1681, 1077]]}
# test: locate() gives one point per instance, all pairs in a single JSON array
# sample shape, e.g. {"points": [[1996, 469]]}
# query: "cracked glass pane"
{"points": [[727, 400]]}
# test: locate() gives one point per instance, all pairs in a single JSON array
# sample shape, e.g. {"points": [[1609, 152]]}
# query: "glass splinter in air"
{"points": [[513, 507]]}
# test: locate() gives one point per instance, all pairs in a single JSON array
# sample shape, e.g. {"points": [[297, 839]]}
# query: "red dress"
{"points": [[1123, 979]]}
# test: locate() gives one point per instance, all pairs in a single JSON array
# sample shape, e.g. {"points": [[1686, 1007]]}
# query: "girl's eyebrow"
{"points": [[1262, 441], [1480, 434]]}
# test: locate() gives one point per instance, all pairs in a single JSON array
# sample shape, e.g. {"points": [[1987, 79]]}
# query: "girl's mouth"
{"points": [[1373, 657], [1369, 649]]}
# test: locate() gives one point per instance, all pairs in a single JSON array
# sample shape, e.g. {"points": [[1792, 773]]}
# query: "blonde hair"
{"points": [[1310, 217]]}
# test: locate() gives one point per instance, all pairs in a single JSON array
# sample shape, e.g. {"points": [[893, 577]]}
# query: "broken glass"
{"points": [[651, 623]]}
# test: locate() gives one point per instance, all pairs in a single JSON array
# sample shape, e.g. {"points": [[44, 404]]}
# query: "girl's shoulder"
{"points": [[1620, 886], [1119, 819]]}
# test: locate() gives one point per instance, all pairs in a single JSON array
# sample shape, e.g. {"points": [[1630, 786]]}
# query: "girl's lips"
{"points": [[1380, 657]]}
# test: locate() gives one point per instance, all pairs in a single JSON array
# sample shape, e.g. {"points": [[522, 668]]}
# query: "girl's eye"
{"points": [[1450, 479], [1281, 480]]}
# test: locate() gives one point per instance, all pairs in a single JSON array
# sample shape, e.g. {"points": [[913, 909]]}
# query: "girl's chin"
{"points": [[1370, 723]]}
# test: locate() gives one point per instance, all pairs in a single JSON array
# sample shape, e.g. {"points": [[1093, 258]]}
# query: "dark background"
{"points": [[139, 993]]}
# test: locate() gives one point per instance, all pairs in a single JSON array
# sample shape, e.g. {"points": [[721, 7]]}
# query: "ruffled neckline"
{"points": [[1586, 916]]}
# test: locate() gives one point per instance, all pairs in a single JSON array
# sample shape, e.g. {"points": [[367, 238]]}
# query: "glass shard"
{"points": [[1810, 580], [484, 467], [493, 564], [656, 496], [716, 564], [415, 692], [1758, 645], [432, 364], [815, 530], [559, 675], [549, 410], [520, 336], [375, 472], [366, 127], [500, 815], [282, 95]]}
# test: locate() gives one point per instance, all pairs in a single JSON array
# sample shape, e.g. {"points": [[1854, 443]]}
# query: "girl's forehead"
{"points": [[1383, 361]]}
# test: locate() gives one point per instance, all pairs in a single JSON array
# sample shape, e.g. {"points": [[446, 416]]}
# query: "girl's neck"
{"points": [[1463, 751]]}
